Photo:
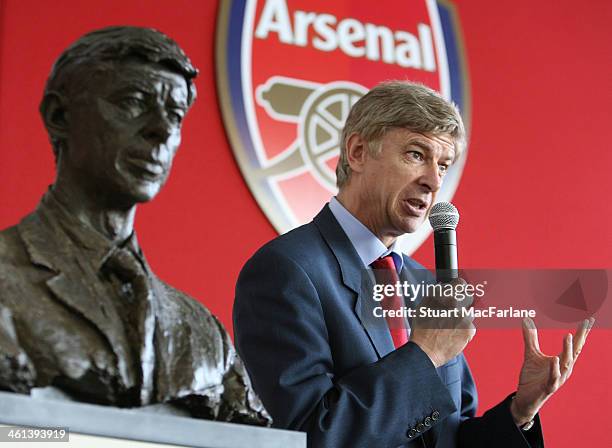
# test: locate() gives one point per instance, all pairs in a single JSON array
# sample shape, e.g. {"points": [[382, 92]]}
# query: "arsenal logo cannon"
{"points": [[320, 111]]}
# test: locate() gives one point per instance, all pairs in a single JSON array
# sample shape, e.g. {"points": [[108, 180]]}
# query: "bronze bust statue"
{"points": [[80, 308]]}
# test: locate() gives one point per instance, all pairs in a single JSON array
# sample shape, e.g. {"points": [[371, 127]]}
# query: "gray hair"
{"points": [[399, 104], [115, 44]]}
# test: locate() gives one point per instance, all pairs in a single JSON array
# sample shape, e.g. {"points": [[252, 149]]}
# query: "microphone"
{"points": [[444, 218]]}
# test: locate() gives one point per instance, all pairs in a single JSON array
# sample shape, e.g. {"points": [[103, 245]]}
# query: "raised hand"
{"points": [[542, 375]]}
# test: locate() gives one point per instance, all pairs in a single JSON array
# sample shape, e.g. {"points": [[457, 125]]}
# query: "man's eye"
{"points": [[175, 117], [443, 169], [135, 106], [416, 155]]}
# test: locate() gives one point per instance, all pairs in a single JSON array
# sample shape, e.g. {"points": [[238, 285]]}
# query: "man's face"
{"points": [[401, 182], [124, 131]]}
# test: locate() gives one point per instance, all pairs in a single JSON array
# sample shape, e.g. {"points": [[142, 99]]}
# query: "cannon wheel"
{"points": [[320, 126]]}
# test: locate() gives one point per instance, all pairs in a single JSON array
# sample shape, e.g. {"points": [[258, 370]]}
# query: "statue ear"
{"points": [[55, 114]]}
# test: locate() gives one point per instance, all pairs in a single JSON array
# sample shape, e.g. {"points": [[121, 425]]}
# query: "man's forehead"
{"points": [[425, 138], [139, 75], [444, 145], [444, 140], [129, 71]]}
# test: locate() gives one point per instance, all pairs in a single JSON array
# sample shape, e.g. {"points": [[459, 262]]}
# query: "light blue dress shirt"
{"points": [[368, 246]]}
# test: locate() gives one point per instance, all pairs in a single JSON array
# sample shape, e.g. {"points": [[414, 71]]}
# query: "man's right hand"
{"points": [[443, 338]]}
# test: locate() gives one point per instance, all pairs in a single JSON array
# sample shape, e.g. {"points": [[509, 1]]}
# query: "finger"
{"points": [[466, 299], [458, 281], [466, 323], [472, 332], [469, 317], [567, 356], [591, 323], [554, 376], [464, 306], [530, 336], [581, 335]]}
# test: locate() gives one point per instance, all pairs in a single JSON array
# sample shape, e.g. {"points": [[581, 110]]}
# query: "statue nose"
{"points": [[158, 129]]}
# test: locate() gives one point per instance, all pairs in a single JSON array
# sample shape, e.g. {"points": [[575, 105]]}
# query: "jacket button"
{"points": [[427, 421], [420, 427], [412, 433], [435, 415]]}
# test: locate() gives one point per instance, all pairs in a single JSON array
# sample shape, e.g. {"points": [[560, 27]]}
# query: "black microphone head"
{"points": [[443, 215]]}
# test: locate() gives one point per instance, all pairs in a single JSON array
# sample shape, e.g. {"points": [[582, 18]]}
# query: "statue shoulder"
{"points": [[189, 308], [11, 244], [15, 263], [14, 240], [179, 310]]}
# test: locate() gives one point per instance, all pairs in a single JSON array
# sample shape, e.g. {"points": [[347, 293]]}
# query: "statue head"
{"points": [[113, 107]]}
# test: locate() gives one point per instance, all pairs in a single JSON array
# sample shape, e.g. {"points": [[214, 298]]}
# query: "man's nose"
{"points": [[158, 128], [431, 178]]}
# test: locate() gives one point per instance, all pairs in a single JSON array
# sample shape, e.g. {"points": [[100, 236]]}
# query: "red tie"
{"points": [[386, 273]]}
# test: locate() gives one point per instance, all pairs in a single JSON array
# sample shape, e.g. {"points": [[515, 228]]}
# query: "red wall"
{"points": [[534, 191]]}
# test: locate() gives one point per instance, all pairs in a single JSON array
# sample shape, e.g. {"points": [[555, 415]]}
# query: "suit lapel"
{"points": [[75, 286], [355, 277]]}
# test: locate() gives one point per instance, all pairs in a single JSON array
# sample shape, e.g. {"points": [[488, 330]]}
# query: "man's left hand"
{"points": [[541, 375]]}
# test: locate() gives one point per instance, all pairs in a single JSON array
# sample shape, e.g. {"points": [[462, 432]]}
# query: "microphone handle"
{"points": [[445, 243]]}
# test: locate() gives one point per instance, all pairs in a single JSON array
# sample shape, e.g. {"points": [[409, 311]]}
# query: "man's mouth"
{"points": [[415, 206], [146, 168]]}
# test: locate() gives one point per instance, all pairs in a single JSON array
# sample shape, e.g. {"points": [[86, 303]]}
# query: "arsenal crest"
{"points": [[288, 72]]}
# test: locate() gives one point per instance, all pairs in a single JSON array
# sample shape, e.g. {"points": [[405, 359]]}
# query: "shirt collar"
{"points": [[96, 245], [368, 246]]}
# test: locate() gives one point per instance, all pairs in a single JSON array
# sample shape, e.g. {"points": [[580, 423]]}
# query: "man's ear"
{"points": [[356, 152], [55, 114]]}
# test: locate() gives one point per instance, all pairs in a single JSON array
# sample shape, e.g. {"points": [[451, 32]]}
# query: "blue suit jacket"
{"points": [[321, 366]]}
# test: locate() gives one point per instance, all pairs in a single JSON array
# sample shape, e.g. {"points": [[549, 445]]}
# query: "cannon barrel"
{"points": [[284, 96]]}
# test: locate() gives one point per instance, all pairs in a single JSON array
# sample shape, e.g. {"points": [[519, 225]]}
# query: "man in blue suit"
{"points": [[303, 317]]}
